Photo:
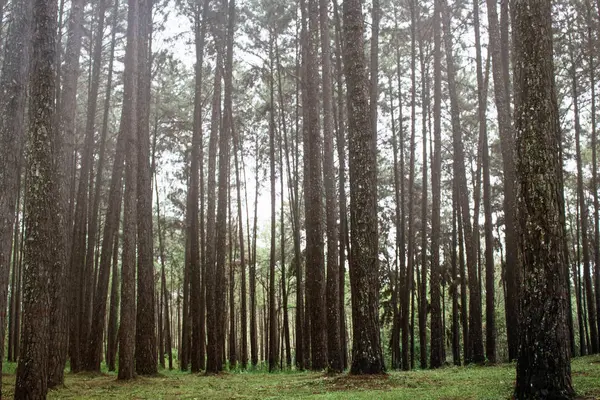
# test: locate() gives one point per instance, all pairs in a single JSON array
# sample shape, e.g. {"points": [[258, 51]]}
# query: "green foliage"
{"points": [[450, 383]]}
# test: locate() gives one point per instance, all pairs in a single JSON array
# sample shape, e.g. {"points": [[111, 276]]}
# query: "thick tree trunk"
{"points": [[364, 275], [45, 245], [543, 367]]}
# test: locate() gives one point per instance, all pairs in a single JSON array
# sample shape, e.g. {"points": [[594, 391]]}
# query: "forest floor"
{"points": [[488, 382]]}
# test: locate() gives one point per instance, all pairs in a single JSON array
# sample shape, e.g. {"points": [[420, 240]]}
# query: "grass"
{"points": [[449, 383]]}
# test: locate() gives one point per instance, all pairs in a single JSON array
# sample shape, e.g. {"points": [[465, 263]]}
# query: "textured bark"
{"points": [[315, 263], [364, 277], [407, 274], [341, 149], [334, 350], [436, 358], [490, 326], [111, 222], [127, 318], [145, 333], [502, 100], [543, 367], [196, 176], [45, 245], [13, 95], [211, 318]]}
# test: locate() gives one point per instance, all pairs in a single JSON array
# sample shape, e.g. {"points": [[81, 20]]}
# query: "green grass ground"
{"points": [[450, 383]]}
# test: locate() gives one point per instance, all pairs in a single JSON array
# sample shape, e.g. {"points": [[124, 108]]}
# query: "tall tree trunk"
{"points": [[497, 41], [475, 318], [197, 179], [127, 329], [594, 143], [45, 245], [13, 94], [334, 350], [315, 263], [364, 275], [437, 334], [272, 306], [543, 367], [424, 205], [587, 275], [94, 340], [112, 339], [490, 319], [163, 283], [341, 149], [211, 318], [408, 274], [145, 334]]}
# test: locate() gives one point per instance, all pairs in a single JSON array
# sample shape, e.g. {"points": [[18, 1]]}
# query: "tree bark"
{"points": [[45, 259], [543, 367], [364, 277], [437, 334], [13, 94], [127, 329]]}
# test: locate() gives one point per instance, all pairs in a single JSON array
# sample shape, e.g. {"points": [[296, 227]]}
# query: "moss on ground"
{"points": [[489, 382]]}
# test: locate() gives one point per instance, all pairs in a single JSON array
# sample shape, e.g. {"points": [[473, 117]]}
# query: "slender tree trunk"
{"points": [[594, 144], [587, 275], [127, 329], [498, 43], [272, 306], [341, 149], [315, 263], [490, 326], [437, 334], [94, 342], [424, 205], [13, 94], [145, 334], [408, 274], [115, 300], [475, 323], [331, 206]]}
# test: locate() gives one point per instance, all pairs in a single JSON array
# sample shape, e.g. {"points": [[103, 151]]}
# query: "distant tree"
{"points": [[13, 96]]}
